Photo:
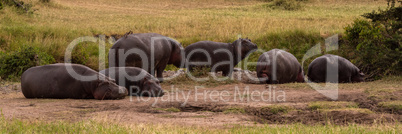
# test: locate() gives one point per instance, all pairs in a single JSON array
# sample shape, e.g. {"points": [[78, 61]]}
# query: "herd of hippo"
{"points": [[135, 59]]}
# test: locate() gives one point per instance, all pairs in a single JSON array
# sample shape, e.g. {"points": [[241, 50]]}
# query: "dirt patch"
{"points": [[215, 107], [317, 117]]}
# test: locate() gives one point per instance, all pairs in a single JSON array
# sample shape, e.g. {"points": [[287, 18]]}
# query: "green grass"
{"points": [[18, 126], [275, 109], [234, 110], [54, 25], [384, 89], [357, 110], [393, 105], [331, 105], [171, 109]]}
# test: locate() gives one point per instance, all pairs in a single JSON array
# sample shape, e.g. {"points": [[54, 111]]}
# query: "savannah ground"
{"points": [[370, 107], [361, 107]]}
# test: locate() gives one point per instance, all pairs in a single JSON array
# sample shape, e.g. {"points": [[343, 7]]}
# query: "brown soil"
{"points": [[197, 110]]}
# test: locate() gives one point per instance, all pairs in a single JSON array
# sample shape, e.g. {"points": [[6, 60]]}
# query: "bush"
{"points": [[20, 5], [80, 55], [375, 45], [45, 1], [14, 63], [290, 5]]}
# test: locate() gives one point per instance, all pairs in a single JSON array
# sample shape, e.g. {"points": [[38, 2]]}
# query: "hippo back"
{"points": [[317, 70], [54, 81], [279, 67]]}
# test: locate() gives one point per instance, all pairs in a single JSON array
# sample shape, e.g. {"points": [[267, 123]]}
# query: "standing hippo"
{"points": [[55, 81], [149, 51], [277, 66], [218, 56], [347, 72], [136, 80]]}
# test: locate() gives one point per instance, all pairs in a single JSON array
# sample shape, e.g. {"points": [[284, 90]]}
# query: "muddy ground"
{"points": [[219, 106]]}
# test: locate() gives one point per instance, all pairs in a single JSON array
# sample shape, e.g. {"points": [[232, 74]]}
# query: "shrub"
{"points": [[80, 55], [14, 63], [290, 5], [20, 5], [375, 45], [45, 1]]}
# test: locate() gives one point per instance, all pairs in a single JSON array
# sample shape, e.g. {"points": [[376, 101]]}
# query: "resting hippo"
{"points": [[278, 66], [127, 52], [223, 56], [54, 81], [347, 72], [135, 78]]}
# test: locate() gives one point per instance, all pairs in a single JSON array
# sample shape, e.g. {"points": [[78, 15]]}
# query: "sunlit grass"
{"points": [[53, 26], [18, 126]]}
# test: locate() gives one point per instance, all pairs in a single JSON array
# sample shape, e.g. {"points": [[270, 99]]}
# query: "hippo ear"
{"points": [[145, 80], [100, 83]]}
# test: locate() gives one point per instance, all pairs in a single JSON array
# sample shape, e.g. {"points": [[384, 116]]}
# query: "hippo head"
{"points": [[244, 47], [177, 55], [108, 89], [151, 87], [358, 77]]}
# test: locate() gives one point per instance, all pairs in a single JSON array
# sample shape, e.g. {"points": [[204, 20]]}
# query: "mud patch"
{"points": [[354, 106], [279, 114]]}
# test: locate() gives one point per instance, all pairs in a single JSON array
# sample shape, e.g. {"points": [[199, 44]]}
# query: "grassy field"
{"points": [[268, 24], [357, 100], [52, 26], [18, 126]]}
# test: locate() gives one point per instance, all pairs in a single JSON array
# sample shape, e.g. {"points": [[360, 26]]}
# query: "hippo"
{"points": [[136, 80], [218, 56], [347, 72], [54, 81], [278, 66], [135, 50]]}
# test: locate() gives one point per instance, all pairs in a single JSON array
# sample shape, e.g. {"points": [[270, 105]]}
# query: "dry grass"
{"points": [[331, 105], [53, 26], [18, 126], [217, 20]]}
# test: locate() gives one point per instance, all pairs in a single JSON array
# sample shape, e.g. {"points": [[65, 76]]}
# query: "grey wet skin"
{"points": [[277, 66], [165, 51], [54, 81], [220, 54], [347, 72], [136, 80]]}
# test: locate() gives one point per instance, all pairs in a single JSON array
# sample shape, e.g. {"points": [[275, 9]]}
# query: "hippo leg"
{"points": [[159, 73], [225, 73], [190, 68], [275, 82]]}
